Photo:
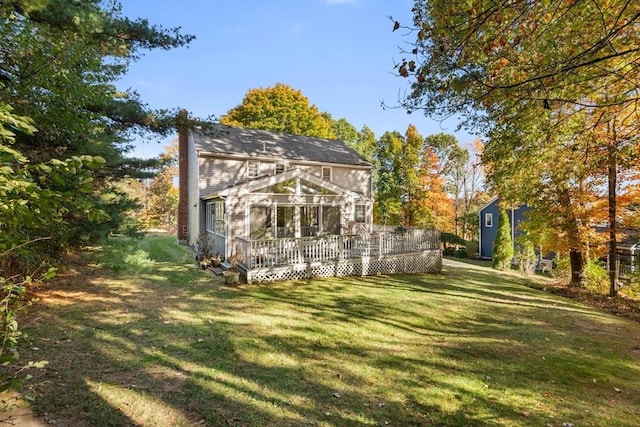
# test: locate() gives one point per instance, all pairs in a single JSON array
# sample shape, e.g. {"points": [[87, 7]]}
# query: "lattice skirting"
{"points": [[423, 262]]}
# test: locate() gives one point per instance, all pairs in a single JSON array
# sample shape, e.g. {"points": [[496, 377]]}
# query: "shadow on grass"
{"points": [[169, 345]]}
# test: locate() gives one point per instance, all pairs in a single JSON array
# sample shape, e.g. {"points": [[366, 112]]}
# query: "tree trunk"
{"points": [[613, 242], [576, 257], [577, 267]]}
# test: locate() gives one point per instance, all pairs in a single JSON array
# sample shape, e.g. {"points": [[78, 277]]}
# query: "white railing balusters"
{"points": [[287, 251]]}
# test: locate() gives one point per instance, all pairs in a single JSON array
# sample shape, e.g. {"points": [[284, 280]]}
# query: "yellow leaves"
{"points": [[407, 67]]}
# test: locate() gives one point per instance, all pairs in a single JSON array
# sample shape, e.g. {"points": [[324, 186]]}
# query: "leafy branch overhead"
{"points": [[476, 55]]}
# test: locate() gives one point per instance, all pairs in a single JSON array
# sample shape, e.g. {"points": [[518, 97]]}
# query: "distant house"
{"points": [[489, 225]]}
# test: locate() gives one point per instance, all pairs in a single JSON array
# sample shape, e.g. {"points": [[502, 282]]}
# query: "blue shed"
{"points": [[489, 225]]}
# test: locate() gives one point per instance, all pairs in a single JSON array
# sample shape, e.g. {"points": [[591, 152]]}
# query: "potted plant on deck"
{"points": [[232, 275]]}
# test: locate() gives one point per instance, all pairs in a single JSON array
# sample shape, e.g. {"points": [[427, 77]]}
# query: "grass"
{"points": [[143, 337]]}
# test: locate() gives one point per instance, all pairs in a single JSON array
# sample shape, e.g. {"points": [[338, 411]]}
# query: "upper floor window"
{"points": [[326, 173], [253, 169], [279, 167], [488, 220]]}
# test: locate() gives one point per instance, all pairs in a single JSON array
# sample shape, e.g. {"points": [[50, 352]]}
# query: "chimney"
{"points": [[183, 176]]}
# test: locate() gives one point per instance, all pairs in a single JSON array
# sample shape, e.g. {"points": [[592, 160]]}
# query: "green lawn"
{"points": [[145, 338]]}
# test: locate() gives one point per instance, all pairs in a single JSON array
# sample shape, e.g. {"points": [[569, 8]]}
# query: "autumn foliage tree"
{"points": [[520, 69], [160, 194], [410, 187], [437, 209], [279, 108]]}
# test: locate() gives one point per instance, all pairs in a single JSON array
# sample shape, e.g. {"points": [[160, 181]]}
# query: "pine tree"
{"points": [[503, 246]]}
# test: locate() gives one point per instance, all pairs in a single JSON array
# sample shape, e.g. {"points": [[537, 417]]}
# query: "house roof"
{"points": [[256, 143]]}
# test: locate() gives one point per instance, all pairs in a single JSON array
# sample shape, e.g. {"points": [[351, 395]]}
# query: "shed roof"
{"points": [[245, 142]]}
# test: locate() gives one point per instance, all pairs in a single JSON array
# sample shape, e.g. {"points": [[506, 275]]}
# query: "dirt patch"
{"points": [[16, 411]]}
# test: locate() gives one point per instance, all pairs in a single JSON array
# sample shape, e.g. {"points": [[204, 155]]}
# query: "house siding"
{"points": [[356, 180], [217, 174], [488, 234]]}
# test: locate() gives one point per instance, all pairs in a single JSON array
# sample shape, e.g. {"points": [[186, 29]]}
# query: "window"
{"points": [[360, 214], [488, 220], [285, 217], [279, 167], [253, 169], [326, 173], [215, 217], [308, 220], [331, 219], [260, 222]]}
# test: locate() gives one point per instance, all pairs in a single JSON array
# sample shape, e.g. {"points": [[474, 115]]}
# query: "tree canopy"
{"points": [[477, 57], [554, 86], [66, 128], [279, 108]]}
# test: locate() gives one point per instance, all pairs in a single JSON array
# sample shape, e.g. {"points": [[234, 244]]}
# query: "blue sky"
{"points": [[338, 53]]}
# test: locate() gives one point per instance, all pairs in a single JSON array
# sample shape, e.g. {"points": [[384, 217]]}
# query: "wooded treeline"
{"points": [[553, 87], [65, 132]]}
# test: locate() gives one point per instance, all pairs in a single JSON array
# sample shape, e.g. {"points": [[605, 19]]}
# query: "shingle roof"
{"points": [[261, 143]]}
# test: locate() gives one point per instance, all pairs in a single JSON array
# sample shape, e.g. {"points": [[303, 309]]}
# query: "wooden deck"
{"points": [[408, 251]]}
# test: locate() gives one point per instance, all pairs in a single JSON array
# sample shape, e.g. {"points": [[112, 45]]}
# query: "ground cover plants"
{"points": [[137, 334]]}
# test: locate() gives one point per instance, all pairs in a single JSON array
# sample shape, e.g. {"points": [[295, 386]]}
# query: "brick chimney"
{"points": [[183, 177]]}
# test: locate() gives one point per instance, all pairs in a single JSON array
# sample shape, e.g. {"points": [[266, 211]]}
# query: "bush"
{"points": [[526, 258], [204, 247], [473, 248], [596, 275], [449, 251], [563, 268], [130, 227], [461, 253]]}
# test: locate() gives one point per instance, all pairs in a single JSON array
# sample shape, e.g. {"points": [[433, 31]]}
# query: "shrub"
{"points": [[595, 274], [461, 253], [596, 277], [204, 247], [473, 248], [503, 246], [130, 227], [526, 258]]}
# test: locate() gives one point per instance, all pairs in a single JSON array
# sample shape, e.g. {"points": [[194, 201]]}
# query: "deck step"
{"points": [[225, 265], [217, 271]]}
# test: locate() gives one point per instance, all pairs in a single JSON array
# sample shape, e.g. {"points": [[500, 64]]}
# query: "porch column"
{"points": [[274, 221], [296, 221]]}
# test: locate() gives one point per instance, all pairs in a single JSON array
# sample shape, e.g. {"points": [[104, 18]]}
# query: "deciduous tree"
{"points": [[279, 108], [513, 69]]}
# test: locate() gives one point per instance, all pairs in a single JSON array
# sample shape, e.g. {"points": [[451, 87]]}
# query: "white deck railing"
{"points": [[288, 251]]}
